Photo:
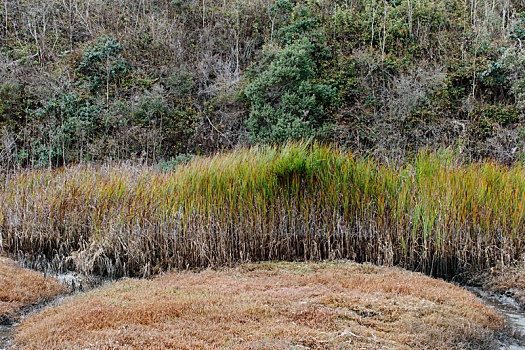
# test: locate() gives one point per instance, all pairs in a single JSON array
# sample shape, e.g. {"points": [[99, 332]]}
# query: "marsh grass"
{"points": [[335, 305], [21, 288], [300, 201]]}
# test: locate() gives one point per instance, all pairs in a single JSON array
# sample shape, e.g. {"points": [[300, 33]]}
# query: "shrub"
{"points": [[72, 124], [287, 101], [103, 64], [486, 118]]}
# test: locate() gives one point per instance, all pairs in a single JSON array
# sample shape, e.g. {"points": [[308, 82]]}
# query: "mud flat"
{"points": [[513, 335], [5, 335]]}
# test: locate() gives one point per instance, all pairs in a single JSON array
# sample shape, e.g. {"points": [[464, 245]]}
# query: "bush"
{"points": [[72, 125], [486, 118], [286, 96], [103, 64]]}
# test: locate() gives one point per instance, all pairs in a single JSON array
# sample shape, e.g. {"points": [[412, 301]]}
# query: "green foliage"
{"points": [[495, 76], [506, 73], [303, 24], [517, 31], [287, 98], [173, 162], [14, 102], [175, 119], [344, 76], [103, 63], [279, 14], [189, 75], [486, 118], [73, 123], [287, 102], [179, 3], [281, 9], [179, 84], [392, 27], [514, 61]]}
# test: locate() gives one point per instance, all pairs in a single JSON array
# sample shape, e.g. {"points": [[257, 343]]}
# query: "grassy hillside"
{"points": [[300, 201], [156, 79]]}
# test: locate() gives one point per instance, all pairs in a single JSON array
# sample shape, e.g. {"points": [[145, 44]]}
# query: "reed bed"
{"points": [[299, 201]]}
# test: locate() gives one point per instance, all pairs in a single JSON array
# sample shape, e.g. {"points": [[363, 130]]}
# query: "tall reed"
{"points": [[299, 201]]}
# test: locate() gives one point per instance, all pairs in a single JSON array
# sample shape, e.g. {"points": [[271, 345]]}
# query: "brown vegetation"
{"points": [[21, 287], [268, 306]]}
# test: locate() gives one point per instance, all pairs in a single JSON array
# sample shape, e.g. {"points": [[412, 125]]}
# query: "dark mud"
{"points": [[513, 336], [5, 335]]}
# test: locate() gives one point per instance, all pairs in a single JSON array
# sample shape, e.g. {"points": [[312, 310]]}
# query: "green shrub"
{"points": [[72, 124], [485, 119], [287, 95], [103, 64], [14, 101], [287, 102]]}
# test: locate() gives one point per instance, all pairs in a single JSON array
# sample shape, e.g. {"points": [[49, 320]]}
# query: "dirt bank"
{"points": [[503, 280]]}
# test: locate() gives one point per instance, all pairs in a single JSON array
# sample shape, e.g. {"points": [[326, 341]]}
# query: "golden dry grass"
{"points": [[20, 288], [268, 306]]}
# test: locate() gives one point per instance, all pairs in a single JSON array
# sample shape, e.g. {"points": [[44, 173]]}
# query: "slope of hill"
{"points": [[156, 79]]}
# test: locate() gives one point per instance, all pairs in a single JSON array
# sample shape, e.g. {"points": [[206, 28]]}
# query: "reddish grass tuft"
{"points": [[20, 288], [268, 306]]}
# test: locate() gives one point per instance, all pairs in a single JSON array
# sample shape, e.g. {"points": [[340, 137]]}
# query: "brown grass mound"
{"points": [[21, 287], [268, 306]]}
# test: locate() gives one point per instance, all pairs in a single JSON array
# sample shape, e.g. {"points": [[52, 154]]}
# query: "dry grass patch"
{"points": [[20, 288], [268, 306]]}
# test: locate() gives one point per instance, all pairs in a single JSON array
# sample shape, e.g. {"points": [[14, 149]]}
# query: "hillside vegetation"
{"points": [[295, 202], [158, 79]]}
